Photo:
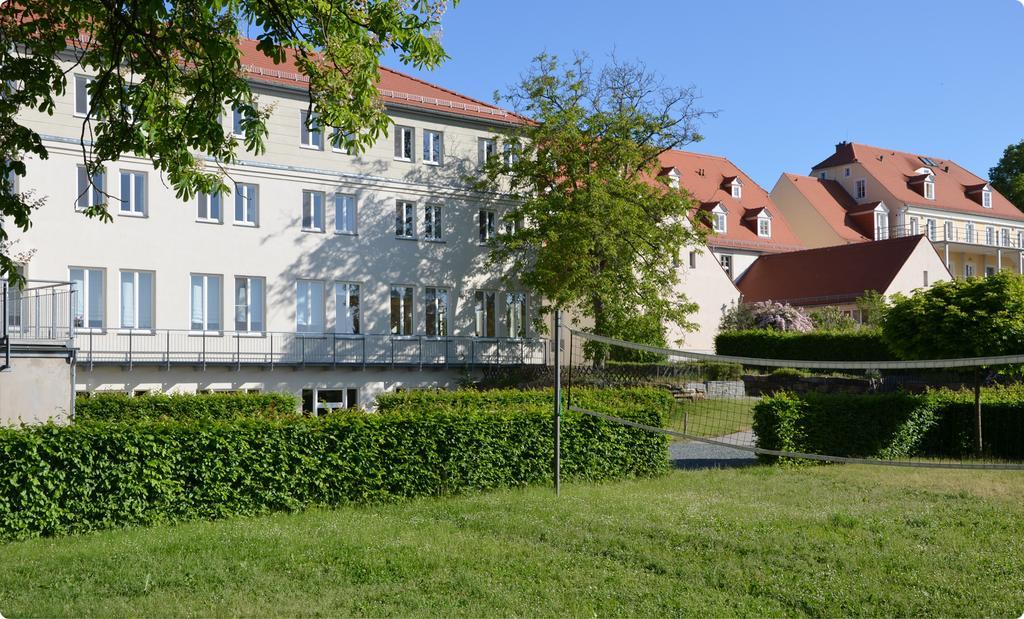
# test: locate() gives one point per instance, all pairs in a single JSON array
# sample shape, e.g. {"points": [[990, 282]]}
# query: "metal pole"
{"points": [[558, 404]]}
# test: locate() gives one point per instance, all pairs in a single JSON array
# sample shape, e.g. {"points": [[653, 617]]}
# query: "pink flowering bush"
{"points": [[766, 315]]}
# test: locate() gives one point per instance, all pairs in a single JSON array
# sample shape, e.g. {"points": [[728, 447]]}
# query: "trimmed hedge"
{"points": [[861, 345], [184, 406], [608, 400], [937, 424], [94, 475]]}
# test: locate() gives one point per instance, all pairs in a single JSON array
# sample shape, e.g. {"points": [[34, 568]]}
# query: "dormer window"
{"points": [[764, 225], [718, 220], [672, 174], [924, 178], [881, 222], [986, 198], [929, 188], [737, 189]]}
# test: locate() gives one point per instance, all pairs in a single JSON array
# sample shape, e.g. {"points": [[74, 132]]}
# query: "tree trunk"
{"points": [[978, 444]]}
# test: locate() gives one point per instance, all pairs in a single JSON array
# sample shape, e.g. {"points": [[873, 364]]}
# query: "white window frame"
{"points": [[433, 147], [719, 219], [485, 149], [131, 206], [436, 310], [314, 309], [1020, 240], [405, 219], [92, 192], [83, 299], [250, 203], [510, 152], [347, 215], [82, 94], [860, 189], [433, 222], [406, 324], [986, 199], [313, 216], [236, 123], [931, 229], [990, 235], [345, 311], [948, 231], [484, 316], [726, 262], [736, 189], [764, 227], [969, 234], [336, 141], [207, 325], [405, 143], [915, 226], [311, 135], [487, 223], [968, 270], [515, 322], [881, 226], [247, 309], [136, 278], [1004, 237], [205, 201], [929, 189]]}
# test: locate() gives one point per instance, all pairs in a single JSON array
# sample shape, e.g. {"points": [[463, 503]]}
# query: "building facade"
{"points": [[329, 275]]}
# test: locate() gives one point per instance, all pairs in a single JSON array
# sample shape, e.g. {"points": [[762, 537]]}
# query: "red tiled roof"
{"points": [[703, 176], [894, 169], [825, 275], [395, 87], [835, 206]]}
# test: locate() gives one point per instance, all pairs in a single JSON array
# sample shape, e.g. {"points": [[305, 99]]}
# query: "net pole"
{"points": [[558, 404]]}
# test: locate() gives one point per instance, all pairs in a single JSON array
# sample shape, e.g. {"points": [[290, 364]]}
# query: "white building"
{"points": [[319, 271]]}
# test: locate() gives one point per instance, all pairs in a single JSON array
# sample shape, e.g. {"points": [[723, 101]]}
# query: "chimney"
{"points": [[845, 149], [945, 168]]}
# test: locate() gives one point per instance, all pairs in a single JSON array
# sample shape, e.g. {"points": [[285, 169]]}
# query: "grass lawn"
{"points": [[713, 417], [826, 541]]}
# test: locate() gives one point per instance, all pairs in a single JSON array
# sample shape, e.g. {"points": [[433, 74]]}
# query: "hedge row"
{"points": [[184, 406], [891, 426], [94, 475], [610, 400], [861, 345]]}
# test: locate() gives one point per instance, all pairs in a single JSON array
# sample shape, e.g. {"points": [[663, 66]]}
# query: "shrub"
{"points": [[861, 345], [610, 400], [765, 315], [790, 373], [93, 475], [184, 406], [831, 318], [722, 371]]}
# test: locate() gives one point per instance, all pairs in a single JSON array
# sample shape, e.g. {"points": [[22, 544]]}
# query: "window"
{"points": [[823, 175], [969, 233], [247, 204], [209, 207], [432, 222], [485, 149], [136, 299], [929, 189], [737, 189], [250, 295], [340, 141], [87, 285], [947, 231], [133, 193], [316, 400], [313, 211], [206, 308], [347, 307], [1004, 237], [1020, 240], [881, 226], [435, 301], [764, 227], [433, 147], [986, 199], [989, 271], [928, 161], [931, 229], [486, 220], [310, 135], [236, 122], [726, 262], [344, 213], [926, 279], [718, 222], [83, 99], [968, 270], [860, 189], [90, 194], [309, 306], [511, 226], [484, 311], [401, 310], [510, 152], [846, 172], [914, 227], [405, 220], [693, 260], [515, 314], [990, 235], [404, 142]]}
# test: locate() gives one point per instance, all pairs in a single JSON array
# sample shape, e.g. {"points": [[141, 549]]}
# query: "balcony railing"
{"points": [[39, 313], [174, 347], [980, 235]]}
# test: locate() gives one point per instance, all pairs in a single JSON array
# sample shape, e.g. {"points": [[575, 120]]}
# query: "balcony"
{"points": [[268, 350], [977, 236]]}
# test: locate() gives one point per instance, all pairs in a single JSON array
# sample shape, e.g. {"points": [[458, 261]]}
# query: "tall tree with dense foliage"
{"points": [[976, 317], [601, 227], [166, 71], [1008, 175]]}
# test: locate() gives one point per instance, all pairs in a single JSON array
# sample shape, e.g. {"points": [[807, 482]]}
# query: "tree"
{"points": [[1008, 175], [601, 226], [960, 318], [166, 71]]}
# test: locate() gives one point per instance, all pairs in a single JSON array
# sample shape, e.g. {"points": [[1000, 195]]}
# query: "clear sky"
{"points": [[790, 78]]}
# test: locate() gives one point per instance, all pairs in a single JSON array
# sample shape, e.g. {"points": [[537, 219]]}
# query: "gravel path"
{"points": [[697, 455]]}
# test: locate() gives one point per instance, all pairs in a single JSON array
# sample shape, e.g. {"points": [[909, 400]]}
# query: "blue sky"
{"points": [[790, 78]]}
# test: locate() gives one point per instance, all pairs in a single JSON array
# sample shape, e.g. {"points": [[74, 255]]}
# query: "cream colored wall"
{"points": [[805, 220], [35, 390], [711, 289], [911, 276], [741, 259]]}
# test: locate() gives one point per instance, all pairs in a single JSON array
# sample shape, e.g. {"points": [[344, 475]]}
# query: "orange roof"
{"points": [[704, 177], [827, 275], [394, 87], [895, 169], [835, 206]]}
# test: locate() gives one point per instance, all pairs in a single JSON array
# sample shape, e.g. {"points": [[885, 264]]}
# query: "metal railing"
{"points": [[181, 347], [39, 313], [996, 237]]}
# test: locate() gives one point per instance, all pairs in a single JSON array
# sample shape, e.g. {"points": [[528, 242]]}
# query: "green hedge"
{"points": [[184, 406], [610, 400], [862, 345], [939, 424], [94, 475]]}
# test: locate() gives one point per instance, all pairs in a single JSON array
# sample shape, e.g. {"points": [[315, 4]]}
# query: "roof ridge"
{"points": [[447, 90]]}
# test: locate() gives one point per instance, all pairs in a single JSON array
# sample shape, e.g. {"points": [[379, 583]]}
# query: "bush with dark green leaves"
{"points": [[94, 475], [184, 406], [860, 345]]}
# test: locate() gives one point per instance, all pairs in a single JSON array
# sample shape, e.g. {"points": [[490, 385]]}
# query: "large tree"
{"points": [[601, 228], [976, 317], [165, 71], [1008, 175]]}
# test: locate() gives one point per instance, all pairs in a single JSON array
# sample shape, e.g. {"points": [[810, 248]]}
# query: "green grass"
{"points": [[713, 417], [823, 541]]}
